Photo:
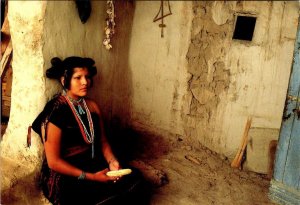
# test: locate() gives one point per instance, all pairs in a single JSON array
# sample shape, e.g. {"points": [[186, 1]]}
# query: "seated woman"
{"points": [[78, 155]]}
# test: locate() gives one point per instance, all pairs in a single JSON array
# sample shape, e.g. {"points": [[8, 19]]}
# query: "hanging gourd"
{"points": [[84, 9]]}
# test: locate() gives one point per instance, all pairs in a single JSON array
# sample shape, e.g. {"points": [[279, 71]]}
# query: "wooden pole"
{"points": [[236, 163]]}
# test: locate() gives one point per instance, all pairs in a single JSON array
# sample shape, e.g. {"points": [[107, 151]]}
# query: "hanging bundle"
{"points": [[110, 24]]}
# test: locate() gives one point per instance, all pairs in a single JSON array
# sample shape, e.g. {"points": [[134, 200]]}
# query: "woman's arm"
{"points": [[106, 148], [56, 163]]}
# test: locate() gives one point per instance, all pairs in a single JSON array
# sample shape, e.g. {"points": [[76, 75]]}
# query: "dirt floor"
{"points": [[199, 176], [195, 177]]}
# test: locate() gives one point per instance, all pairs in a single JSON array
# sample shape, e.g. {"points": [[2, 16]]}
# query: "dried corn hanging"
{"points": [[110, 24]]}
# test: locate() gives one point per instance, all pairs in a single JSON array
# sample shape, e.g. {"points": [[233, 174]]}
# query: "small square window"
{"points": [[244, 28]]}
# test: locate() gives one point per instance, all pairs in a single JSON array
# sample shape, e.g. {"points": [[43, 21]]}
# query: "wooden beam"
{"points": [[6, 58]]}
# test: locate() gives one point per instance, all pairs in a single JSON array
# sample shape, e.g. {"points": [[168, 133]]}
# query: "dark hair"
{"points": [[66, 67]]}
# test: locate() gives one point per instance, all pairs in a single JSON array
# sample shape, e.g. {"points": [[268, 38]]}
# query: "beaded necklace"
{"points": [[78, 104], [88, 137]]}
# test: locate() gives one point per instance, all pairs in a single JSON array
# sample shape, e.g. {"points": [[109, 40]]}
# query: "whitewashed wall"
{"points": [[28, 89], [28, 81], [260, 71], [159, 66]]}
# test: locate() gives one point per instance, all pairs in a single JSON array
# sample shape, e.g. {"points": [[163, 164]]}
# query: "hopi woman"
{"points": [[77, 152]]}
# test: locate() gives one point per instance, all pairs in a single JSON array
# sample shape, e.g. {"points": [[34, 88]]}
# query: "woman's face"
{"points": [[79, 84]]}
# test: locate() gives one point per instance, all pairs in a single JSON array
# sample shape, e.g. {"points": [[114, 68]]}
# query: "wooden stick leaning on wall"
{"points": [[236, 163]]}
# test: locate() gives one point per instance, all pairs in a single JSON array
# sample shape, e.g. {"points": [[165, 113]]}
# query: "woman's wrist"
{"points": [[85, 176], [111, 160], [82, 176], [89, 176]]}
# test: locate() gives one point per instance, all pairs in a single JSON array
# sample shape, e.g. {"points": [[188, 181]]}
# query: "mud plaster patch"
{"points": [[210, 77]]}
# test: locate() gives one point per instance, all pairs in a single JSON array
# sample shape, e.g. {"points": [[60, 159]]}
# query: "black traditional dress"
{"points": [[67, 190]]}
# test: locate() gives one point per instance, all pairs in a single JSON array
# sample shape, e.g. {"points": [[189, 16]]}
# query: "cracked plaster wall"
{"points": [[201, 85], [234, 79]]}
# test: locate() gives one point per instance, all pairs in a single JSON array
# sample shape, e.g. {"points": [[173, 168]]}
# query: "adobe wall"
{"points": [[200, 84], [27, 98]]}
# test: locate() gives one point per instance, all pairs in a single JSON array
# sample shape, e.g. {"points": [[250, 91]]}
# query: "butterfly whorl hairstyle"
{"points": [[66, 67]]}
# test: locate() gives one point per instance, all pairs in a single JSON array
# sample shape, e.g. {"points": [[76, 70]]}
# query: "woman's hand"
{"points": [[102, 177], [114, 165]]}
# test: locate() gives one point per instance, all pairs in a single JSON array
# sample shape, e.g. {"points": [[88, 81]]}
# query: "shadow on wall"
{"points": [[116, 122], [128, 143], [121, 83]]}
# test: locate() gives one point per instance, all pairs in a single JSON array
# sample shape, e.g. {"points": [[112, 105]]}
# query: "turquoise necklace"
{"points": [[88, 136], [78, 104]]}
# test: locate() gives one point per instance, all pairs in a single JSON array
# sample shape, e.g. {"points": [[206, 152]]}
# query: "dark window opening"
{"points": [[244, 28]]}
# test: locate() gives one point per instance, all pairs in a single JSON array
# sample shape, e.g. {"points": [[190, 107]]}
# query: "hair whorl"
{"points": [[56, 70], [59, 67]]}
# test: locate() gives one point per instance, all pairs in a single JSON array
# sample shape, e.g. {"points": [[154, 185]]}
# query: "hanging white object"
{"points": [[110, 24]]}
